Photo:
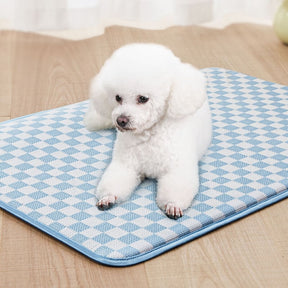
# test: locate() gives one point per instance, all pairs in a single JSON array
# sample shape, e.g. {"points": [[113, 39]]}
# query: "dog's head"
{"points": [[140, 84]]}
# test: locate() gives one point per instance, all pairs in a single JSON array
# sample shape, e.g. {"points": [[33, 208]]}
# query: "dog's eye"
{"points": [[118, 98], [142, 99]]}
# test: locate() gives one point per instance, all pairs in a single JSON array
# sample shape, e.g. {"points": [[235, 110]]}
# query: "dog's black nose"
{"points": [[122, 121]]}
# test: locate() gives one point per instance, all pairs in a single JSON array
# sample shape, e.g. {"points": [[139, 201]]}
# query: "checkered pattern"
{"points": [[50, 164]]}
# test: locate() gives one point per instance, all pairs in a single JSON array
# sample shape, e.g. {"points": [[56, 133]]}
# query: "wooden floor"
{"points": [[39, 72]]}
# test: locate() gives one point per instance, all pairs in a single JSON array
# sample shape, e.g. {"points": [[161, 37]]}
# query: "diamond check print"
{"points": [[50, 165]]}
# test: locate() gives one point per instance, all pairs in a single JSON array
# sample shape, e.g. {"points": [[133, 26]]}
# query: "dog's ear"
{"points": [[188, 91], [100, 108]]}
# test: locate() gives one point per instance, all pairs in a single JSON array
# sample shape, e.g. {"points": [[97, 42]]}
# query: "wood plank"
{"points": [[4, 118], [6, 50]]}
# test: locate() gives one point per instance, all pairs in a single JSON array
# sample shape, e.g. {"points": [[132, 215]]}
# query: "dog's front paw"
{"points": [[106, 202], [172, 211]]}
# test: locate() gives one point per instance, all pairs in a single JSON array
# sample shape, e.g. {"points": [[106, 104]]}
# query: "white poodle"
{"points": [[159, 106]]}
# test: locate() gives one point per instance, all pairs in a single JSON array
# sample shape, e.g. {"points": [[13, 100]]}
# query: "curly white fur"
{"points": [[164, 137]]}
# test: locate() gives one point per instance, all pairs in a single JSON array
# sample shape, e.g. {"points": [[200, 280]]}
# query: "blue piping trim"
{"points": [[156, 251]]}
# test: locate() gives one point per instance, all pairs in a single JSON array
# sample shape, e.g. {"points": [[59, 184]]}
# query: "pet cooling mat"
{"points": [[50, 164]]}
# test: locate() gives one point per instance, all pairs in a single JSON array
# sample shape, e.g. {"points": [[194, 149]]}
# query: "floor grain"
{"points": [[40, 72]]}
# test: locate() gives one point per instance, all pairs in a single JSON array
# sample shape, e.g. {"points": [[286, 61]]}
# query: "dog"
{"points": [[160, 109]]}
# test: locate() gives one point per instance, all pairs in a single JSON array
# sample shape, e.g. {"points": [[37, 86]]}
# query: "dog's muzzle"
{"points": [[122, 121]]}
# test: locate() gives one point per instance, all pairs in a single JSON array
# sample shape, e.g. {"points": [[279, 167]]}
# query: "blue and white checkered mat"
{"points": [[50, 164]]}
